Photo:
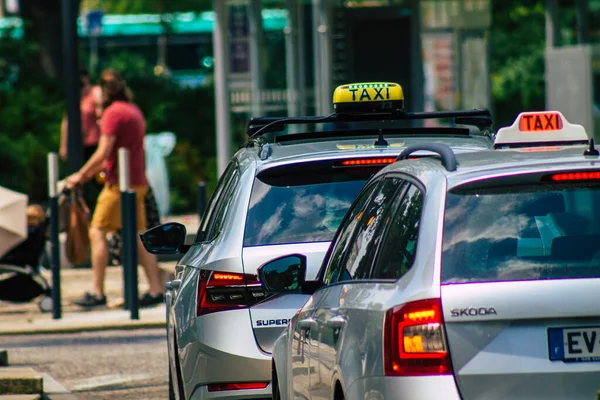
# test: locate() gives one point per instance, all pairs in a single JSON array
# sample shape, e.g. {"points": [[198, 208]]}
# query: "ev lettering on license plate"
{"points": [[574, 344]]}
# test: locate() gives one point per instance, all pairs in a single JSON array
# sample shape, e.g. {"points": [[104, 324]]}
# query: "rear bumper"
{"points": [[414, 388], [222, 349], [202, 393]]}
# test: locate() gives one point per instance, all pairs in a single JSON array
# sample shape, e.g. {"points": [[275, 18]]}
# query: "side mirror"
{"points": [[167, 238], [284, 274]]}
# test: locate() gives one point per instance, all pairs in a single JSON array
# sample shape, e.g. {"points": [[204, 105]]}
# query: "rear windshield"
{"points": [[302, 205], [522, 233]]}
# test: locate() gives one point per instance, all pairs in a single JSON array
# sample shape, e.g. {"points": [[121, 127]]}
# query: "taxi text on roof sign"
{"points": [[532, 129], [375, 97]]}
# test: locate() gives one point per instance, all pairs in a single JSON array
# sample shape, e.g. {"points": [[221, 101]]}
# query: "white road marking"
{"points": [[107, 380], [51, 386]]}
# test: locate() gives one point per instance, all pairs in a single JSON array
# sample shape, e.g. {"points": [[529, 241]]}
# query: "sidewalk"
{"points": [[28, 319]]}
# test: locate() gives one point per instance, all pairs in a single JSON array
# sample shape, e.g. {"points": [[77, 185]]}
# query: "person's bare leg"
{"points": [[150, 264], [99, 259]]}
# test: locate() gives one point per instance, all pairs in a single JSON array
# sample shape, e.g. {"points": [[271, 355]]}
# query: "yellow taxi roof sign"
{"points": [[531, 129], [368, 97]]}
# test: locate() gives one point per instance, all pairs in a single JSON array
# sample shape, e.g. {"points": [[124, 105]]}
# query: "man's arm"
{"points": [[97, 96], [96, 161]]}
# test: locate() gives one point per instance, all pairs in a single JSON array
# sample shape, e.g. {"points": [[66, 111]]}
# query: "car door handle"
{"points": [[174, 284], [307, 323], [335, 322]]}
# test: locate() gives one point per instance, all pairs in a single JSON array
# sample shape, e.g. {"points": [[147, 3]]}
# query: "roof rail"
{"points": [[480, 118], [448, 157]]}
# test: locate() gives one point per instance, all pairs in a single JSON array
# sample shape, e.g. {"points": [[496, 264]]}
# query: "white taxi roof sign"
{"points": [[532, 129]]}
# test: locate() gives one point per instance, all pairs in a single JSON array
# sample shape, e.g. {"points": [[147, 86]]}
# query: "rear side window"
{"points": [[368, 234], [400, 244], [210, 218], [339, 247], [522, 233], [301, 203]]}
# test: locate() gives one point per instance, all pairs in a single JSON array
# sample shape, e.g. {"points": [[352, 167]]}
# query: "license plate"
{"points": [[574, 344]]}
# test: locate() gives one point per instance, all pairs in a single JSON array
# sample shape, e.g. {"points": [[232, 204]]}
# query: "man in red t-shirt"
{"points": [[122, 125], [91, 109]]}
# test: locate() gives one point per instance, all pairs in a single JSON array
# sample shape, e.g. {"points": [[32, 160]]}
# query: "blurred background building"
{"points": [[202, 68]]}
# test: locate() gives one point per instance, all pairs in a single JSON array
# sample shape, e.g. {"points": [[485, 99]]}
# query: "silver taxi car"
{"points": [[281, 193], [456, 276]]}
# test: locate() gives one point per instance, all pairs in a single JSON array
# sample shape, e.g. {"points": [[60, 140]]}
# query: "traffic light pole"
{"points": [[70, 11], [222, 108]]}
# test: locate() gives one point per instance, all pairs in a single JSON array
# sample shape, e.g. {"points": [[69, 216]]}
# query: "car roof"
{"points": [[485, 164], [336, 148]]}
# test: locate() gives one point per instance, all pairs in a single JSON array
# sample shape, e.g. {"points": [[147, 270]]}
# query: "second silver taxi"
{"points": [[456, 276]]}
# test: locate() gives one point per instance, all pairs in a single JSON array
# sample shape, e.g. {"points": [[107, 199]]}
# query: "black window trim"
{"points": [[325, 262], [398, 188], [405, 178], [232, 169], [214, 231], [411, 180]]}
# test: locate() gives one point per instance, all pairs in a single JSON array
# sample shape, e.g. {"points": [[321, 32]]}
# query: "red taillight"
{"points": [[221, 291], [576, 176], [414, 342], [368, 161], [218, 387]]}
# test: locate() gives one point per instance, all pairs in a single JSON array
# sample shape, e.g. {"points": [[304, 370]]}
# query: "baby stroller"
{"points": [[20, 277]]}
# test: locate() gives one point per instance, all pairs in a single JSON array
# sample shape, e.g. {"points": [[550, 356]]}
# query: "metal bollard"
{"points": [[129, 229], [54, 235], [129, 258], [123, 188], [201, 200]]}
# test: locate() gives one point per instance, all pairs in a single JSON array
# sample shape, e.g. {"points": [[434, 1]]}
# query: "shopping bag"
{"points": [[77, 227], [157, 148]]}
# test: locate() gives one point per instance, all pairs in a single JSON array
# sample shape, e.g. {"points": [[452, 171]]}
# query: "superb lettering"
{"points": [[473, 312], [272, 322]]}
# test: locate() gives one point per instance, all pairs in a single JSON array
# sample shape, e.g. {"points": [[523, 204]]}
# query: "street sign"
{"points": [[94, 22]]}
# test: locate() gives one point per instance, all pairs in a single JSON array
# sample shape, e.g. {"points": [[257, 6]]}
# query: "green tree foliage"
{"points": [[517, 45], [30, 113], [33, 106]]}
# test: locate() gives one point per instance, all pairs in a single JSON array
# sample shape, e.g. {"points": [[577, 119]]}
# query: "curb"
{"points": [[20, 381], [81, 328]]}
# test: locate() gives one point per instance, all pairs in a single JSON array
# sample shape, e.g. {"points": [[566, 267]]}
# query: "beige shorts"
{"points": [[107, 215]]}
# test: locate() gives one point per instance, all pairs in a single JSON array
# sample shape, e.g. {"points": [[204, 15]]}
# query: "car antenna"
{"points": [[591, 151], [380, 140]]}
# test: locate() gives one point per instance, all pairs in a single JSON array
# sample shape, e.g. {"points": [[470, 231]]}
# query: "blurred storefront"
{"points": [[437, 49], [573, 61]]}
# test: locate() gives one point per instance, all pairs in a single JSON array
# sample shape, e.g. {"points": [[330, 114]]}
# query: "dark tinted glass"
{"points": [[522, 233], [342, 242], [300, 206], [223, 206], [208, 217], [400, 244], [368, 234]]}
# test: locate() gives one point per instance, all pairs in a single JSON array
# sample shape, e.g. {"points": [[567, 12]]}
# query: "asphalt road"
{"points": [[97, 365]]}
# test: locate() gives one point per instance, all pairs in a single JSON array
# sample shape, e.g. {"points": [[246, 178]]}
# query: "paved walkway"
{"points": [[27, 318]]}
